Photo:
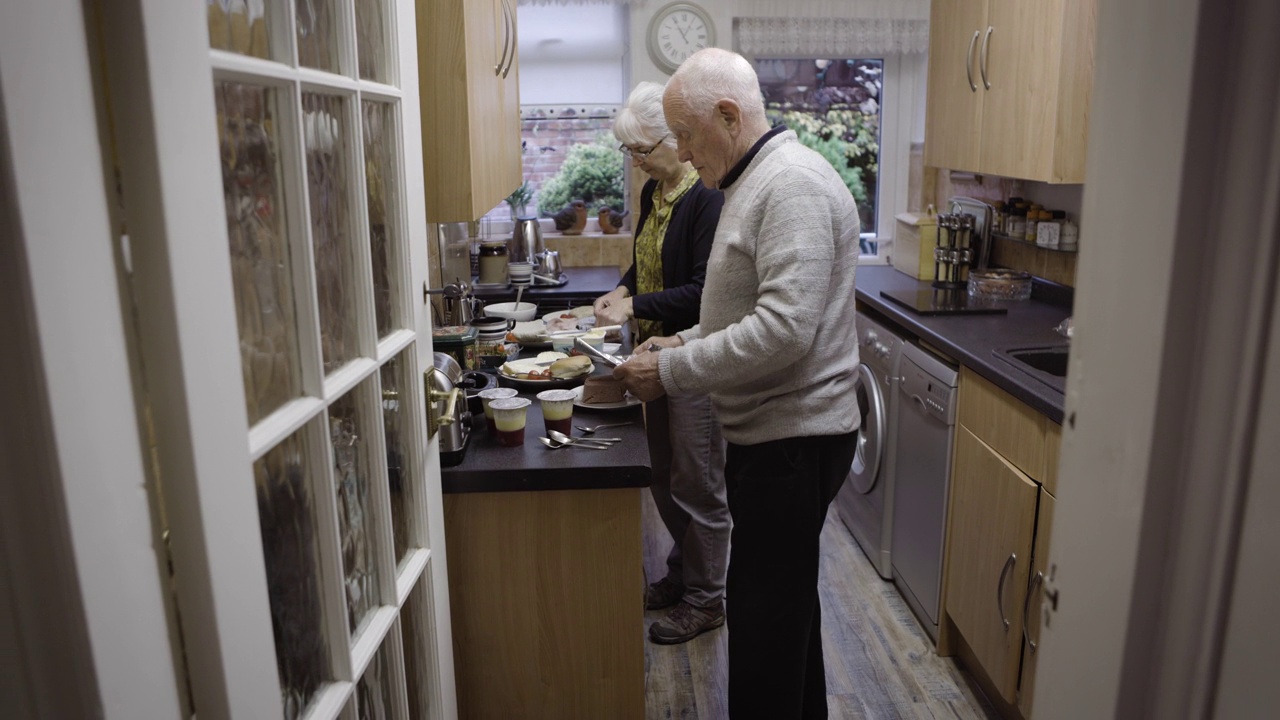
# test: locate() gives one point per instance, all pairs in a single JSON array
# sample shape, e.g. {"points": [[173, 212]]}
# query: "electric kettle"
{"points": [[526, 242]]}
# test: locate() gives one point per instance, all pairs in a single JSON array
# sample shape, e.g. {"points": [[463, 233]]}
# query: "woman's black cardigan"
{"points": [[685, 250]]}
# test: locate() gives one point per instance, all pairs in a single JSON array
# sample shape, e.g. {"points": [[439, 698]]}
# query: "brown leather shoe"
{"points": [[685, 622], [663, 594]]}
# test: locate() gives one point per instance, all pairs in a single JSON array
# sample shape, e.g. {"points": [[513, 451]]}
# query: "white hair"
{"points": [[714, 74], [641, 121]]}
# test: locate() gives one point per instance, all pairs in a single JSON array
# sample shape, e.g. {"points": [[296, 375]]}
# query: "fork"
{"points": [[591, 430]]}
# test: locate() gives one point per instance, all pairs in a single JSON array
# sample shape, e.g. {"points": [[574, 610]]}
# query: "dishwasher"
{"points": [[926, 418]]}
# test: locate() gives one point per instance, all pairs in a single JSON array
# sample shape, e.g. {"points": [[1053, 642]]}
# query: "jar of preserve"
{"points": [[493, 263]]}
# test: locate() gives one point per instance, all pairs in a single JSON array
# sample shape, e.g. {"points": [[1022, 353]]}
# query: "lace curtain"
{"points": [[831, 37], [835, 28]]}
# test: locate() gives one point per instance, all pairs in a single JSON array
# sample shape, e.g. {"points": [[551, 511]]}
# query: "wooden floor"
{"points": [[879, 662]]}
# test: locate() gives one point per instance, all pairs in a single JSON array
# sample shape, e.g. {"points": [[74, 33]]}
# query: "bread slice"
{"points": [[571, 367], [602, 389]]}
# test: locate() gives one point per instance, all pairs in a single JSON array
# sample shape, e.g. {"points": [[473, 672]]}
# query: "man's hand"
{"points": [[670, 341], [639, 376]]}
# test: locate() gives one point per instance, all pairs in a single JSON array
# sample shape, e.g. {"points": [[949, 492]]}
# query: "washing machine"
{"points": [[865, 501]]}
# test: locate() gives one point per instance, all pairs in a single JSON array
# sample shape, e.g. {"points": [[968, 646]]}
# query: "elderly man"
{"points": [[776, 350]]}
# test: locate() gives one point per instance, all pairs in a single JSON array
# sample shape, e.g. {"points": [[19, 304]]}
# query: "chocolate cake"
{"points": [[602, 389]]}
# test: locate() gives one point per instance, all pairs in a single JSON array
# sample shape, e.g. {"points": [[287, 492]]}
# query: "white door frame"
{"points": [[1177, 284], [83, 629]]}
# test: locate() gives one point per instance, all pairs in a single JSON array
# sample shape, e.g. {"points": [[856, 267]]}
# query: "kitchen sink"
{"points": [[1046, 363]]}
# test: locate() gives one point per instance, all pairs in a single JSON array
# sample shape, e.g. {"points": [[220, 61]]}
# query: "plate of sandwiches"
{"points": [[603, 392], [547, 370]]}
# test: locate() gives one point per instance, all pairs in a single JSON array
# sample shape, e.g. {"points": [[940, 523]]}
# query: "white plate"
{"points": [[611, 348], [627, 402]]}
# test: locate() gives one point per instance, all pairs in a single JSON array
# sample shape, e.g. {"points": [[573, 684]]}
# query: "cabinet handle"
{"points": [[1026, 607], [1008, 564], [968, 60], [506, 39], [986, 43], [511, 58]]}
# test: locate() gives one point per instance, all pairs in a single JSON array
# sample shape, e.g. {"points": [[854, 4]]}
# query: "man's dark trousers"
{"points": [[778, 496]]}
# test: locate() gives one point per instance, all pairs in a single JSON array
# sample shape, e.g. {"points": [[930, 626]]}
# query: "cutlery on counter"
{"points": [[560, 437], [557, 445], [591, 430]]}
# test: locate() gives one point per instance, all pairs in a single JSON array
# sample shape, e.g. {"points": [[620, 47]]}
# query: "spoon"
{"points": [[562, 438], [591, 430], [557, 445]]}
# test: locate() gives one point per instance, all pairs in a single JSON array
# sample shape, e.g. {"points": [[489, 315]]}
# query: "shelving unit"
{"points": [[1011, 238]]}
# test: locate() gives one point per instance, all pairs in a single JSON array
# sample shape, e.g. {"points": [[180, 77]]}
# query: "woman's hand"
{"points": [[616, 313], [608, 300]]}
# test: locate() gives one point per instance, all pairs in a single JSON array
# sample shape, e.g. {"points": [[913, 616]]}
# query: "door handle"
{"points": [[968, 64], [986, 44], [1026, 607], [1004, 572], [506, 39]]}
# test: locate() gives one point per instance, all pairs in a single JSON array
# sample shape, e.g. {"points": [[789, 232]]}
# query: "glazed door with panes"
{"points": [[315, 108]]}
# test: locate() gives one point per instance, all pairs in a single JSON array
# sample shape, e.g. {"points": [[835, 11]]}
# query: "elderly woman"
{"points": [[662, 292]]}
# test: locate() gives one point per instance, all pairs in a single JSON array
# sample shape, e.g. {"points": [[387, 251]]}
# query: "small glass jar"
{"points": [[493, 263]]}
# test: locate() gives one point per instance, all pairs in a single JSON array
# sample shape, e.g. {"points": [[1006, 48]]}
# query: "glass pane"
{"points": [[260, 260], [317, 37], [371, 44], [834, 107], [324, 133], [419, 652], [352, 473], [376, 691], [290, 545], [380, 177], [239, 26], [399, 467]]}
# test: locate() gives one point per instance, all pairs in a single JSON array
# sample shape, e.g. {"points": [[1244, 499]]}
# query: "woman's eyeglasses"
{"points": [[642, 154]]}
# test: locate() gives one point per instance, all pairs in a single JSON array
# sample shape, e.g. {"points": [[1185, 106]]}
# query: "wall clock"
{"points": [[677, 31]]}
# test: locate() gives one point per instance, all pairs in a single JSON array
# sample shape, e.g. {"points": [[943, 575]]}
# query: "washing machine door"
{"points": [[872, 432]]}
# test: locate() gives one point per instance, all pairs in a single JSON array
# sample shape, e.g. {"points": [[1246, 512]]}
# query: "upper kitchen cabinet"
{"points": [[469, 85], [1009, 85]]}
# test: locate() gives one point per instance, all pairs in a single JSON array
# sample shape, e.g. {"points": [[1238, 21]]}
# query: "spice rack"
{"points": [[1024, 241]]}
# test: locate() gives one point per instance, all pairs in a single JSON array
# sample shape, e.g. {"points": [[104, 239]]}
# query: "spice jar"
{"points": [[1070, 236], [493, 263], [1033, 219]]}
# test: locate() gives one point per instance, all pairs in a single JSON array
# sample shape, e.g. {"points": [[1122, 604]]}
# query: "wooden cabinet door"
{"points": [[989, 558], [1035, 599], [953, 111], [1019, 57], [470, 113], [508, 161]]}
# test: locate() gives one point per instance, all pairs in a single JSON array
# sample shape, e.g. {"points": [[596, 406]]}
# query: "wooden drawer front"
{"points": [[993, 511], [1005, 423], [1035, 600]]}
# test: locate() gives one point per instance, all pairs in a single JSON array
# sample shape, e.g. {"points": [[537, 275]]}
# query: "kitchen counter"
{"points": [[584, 285], [492, 467], [971, 339]]}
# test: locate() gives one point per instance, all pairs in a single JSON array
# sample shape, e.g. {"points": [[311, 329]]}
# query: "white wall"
{"points": [[573, 54]]}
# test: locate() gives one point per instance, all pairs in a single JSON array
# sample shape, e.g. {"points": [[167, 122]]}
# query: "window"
{"points": [[834, 108], [859, 113]]}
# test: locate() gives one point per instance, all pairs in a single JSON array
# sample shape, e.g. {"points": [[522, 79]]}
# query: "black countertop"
{"points": [[490, 466], [972, 339], [584, 286]]}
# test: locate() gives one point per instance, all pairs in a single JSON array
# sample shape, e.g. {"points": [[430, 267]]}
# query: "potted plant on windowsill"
{"points": [[518, 201]]}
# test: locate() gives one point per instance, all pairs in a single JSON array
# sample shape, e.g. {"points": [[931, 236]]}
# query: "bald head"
{"points": [[715, 110]]}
